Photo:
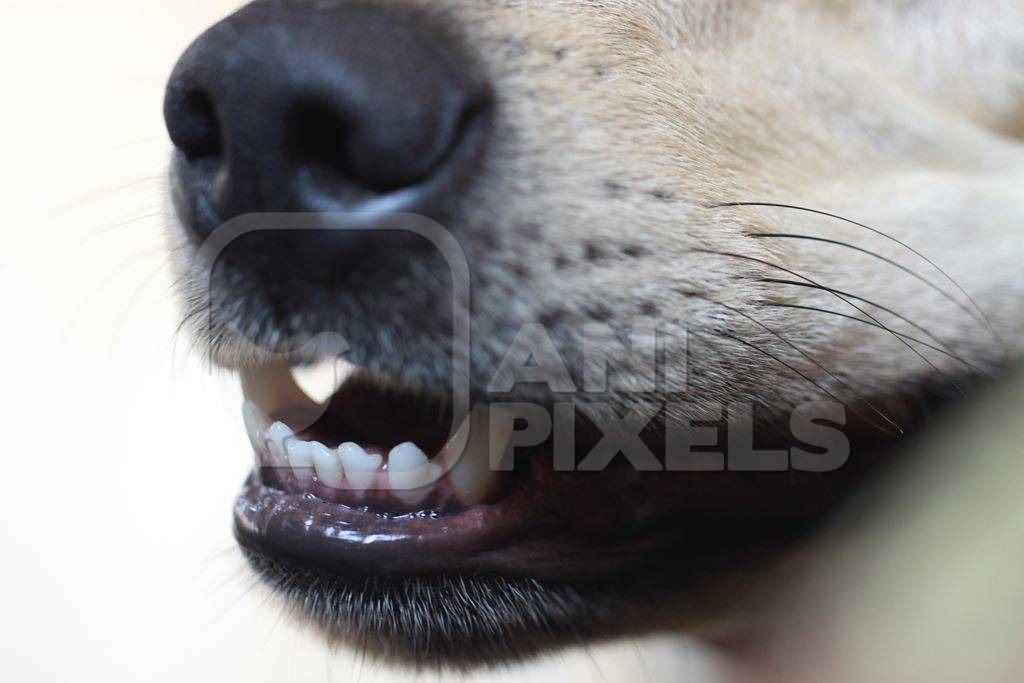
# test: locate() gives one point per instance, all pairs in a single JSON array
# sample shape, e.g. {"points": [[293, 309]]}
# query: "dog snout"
{"points": [[301, 107]]}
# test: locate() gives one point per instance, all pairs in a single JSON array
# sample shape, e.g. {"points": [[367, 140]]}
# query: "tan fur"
{"points": [[621, 123]]}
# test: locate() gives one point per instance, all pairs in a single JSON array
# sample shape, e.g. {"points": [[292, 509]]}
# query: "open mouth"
{"points": [[376, 480], [385, 521], [392, 520]]}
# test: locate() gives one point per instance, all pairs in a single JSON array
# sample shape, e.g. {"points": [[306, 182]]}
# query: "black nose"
{"points": [[314, 107]]}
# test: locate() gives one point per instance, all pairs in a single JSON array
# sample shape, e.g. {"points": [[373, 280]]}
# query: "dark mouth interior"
{"points": [[370, 413]]}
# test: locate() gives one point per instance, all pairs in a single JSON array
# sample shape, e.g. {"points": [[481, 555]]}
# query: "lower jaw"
{"points": [[472, 620], [496, 583], [561, 558], [557, 557]]}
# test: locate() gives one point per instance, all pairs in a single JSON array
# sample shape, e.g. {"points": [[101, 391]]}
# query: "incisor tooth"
{"points": [[360, 467], [300, 457], [328, 466]]}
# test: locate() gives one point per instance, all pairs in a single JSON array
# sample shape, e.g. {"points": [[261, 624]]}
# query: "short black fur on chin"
{"points": [[467, 622], [459, 622]]}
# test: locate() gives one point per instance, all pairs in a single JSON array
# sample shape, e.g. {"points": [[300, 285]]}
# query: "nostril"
{"points": [[357, 154], [316, 147], [192, 121], [352, 156]]}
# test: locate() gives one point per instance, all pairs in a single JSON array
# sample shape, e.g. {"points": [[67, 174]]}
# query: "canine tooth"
{"points": [[360, 467], [328, 466], [273, 390], [406, 457], [469, 453], [409, 473], [322, 380], [404, 461], [256, 424], [300, 457], [277, 435]]}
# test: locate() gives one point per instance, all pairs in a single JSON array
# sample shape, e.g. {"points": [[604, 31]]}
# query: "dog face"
{"points": [[802, 201]]}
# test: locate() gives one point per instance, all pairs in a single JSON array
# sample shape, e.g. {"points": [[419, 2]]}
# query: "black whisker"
{"points": [[776, 266], [949, 348], [980, 312], [873, 254], [915, 340], [810, 358], [789, 366]]}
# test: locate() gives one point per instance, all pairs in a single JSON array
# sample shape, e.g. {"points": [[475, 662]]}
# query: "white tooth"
{"points": [[277, 435], [409, 473], [300, 457], [274, 391], [256, 424], [406, 457], [435, 473], [322, 380], [328, 466], [360, 467], [469, 453]]}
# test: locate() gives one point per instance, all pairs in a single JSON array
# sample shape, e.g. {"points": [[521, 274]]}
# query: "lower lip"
{"points": [[333, 539], [521, 535], [548, 528]]}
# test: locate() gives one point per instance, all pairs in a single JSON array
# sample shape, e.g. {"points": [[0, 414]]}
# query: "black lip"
{"points": [[491, 586], [516, 536], [341, 541], [550, 526]]}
